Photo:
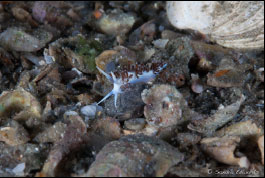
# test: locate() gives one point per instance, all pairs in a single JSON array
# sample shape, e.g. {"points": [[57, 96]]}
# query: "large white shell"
{"points": [[234, 24]]}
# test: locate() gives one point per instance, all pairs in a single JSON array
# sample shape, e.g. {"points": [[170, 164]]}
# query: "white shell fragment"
{"points": [[19, 169], [233, 24], [89, 110], [222, 149]]}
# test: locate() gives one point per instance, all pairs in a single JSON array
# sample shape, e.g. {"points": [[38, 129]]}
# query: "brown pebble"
{"points": [[135, 124]]}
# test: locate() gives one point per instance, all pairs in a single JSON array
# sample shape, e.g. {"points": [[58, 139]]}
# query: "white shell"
{"points": [[234, 24]]}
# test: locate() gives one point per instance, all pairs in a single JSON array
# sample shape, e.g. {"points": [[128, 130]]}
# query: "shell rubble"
{"points": [[233, 24]]}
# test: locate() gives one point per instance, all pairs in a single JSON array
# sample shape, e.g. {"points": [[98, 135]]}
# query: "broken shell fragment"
{"points": [[241, 129], [222, 149], [19, 101], [222, 116], [14, 134], [19, 169], [135, 155], [160, 43], [233, 24]]}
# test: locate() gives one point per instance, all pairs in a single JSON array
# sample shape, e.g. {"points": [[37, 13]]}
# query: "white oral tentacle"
{"points": [[115, 99], [108, 95], [116, 90], [116, 87]]}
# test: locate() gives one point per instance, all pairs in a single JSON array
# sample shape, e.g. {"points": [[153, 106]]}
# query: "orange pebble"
{"points": [[97, 14]]}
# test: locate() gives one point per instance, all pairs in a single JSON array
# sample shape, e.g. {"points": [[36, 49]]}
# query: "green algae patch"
{"points": [[88, 50]]}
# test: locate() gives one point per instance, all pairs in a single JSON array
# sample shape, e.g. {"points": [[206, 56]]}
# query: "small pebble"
{"points": [[135, 124], [48, 59], [77, 71], [18, 40], [164, 105], [196, 85], [148, 53], [161, 43], [19, 169], [135, 156], [116, 23], [167, 34], [90, 110]]}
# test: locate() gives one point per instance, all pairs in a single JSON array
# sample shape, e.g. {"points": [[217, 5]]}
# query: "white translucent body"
{"points": [[118, 82]]}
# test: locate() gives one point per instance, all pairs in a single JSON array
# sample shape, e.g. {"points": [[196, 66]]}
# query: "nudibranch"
{"points": [[133, 74]]}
